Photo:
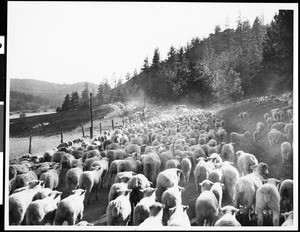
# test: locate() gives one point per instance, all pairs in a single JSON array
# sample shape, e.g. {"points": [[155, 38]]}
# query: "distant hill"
{"points": [[46, 93]]}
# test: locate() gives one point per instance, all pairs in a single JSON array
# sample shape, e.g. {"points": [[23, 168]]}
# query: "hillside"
{"points": [[49, 94]]}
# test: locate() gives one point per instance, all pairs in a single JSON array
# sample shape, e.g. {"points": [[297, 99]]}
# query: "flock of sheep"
{"points": [[148, 165]]}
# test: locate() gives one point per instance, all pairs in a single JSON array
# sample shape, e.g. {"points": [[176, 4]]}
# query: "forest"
{"points": [[228, 66]]}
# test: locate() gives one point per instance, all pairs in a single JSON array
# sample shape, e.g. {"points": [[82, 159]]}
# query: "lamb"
{"points": [[119, 210], [246, 187], [278, 126], [227, 152], [71, 208], [142, 210], [244, 162], [116, 190], [42, 211], [267, 197], [179, 216], [286, 193], [206, 208], [165, 179], [286, 151], [288, 130], [229, 217], [51, 178], [155, 219], [18, 202], [276, 137], [170, 198], [91, 180], [186, 167], [151, 167], [289, 218], [241, 139]]}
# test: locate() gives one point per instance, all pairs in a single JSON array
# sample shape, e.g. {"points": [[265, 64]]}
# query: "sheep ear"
{"points": [[180, 188], [151, 184], [253, 166], [185, 207], [83, 192], [128, 191], [57, 194], [172, 210], [264, 181]]}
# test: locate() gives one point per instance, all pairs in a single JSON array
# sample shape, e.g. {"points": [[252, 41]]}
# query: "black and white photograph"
{"points": [[146, 115]]}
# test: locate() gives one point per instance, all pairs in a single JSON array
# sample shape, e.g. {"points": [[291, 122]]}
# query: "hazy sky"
{"points": [[69, 42]]}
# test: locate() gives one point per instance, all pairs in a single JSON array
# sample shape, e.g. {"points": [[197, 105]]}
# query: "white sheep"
{"points": [[142, 210], [22, 180], [155, 219], [278, 126], [288, 219], [270, 122], [215, 175], [170, 198], [166, 179], [202, 171], [186, 167], [229, 217], [42, 211], [288, 130], [18, 202], [116, 190], [227, 152], [124, 176], [244, 162], [286, 193], [72, 178], [258, 136], [240, 139], [221, 135], [229, 178], [151, 167], [198, 152], [91, 180], [216, 149], [260, 126], [266, 116], [71, 208], [173, 163], [119, 210], [286, 151], [41, 194], [179, 216], [246, 186], [267, 197], [51, 178], [276, 137]]}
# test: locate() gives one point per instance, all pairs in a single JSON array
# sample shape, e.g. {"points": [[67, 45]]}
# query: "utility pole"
{"points": [[91, 107]]}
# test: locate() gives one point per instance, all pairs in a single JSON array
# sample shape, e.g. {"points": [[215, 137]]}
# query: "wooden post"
{"points": [[112, 124], [91, 107], [100, 128], [29, 150], [82, 131], [61, 137]]}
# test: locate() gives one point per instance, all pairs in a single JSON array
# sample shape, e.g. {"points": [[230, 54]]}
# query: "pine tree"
{"points": [[156, 59], [85, 97], [67, 103], [74, 100]]}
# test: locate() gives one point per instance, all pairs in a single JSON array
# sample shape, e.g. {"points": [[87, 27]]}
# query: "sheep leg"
{"points": [[200, 221], [275, 218], [260, 218]]}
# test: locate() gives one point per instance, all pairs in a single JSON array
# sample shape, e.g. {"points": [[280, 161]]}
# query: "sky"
{"points": [[70, 42]]}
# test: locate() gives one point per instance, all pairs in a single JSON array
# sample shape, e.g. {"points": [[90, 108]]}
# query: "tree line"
{"points": [[226, 67]]}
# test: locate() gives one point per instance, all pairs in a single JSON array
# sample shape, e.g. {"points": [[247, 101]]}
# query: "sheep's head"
{"points": [[156, 208], [261, 168], [205, 185], [273, 181], [229, 209]]}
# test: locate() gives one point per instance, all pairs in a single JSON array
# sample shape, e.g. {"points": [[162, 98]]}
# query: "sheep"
{"points": [[221, 135], [202, 171], [275, 137], [131, 148], [227, 152], [288, 219], [244, 162], [119, 154], [288, 130], [216, 149], [56, 157], [267, 197], [179, 216], [165, 179], [266, 116], [241, 139], [216, 158], [281, 114], [151, 167], [286, 151], [48, 155], [116, 190], [142, 210], [229, 217], [164, 157], [246, 187], [51, 178], [155, 219], [71, 208], [278, 126], [136, 183], [88, 162], [270, 121], [275, 114], [170, 198], [260, 126], [206, 208], [119, 210], [131, 163], [18, 202], [124, 176], [230, 177], [212, 143], [42, 211], [286, 193], [22, 180], [41, 194], [258, 136], [215, 175], [173, 163], [186, 167], [91, 180], [198, 152], [72, 178]]}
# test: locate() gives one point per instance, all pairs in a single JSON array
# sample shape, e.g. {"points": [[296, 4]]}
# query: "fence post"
{"points": [[61, 137], [29, 150], [100, 128], [82, 131], [91, 132], [112, 124], [91, 107]]}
